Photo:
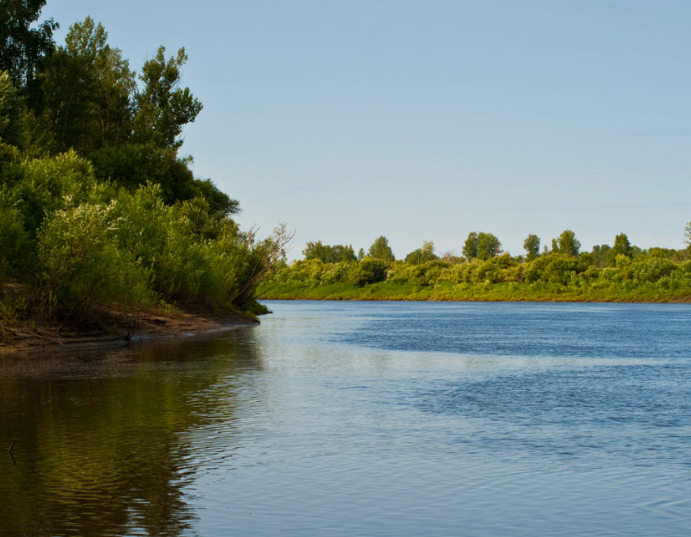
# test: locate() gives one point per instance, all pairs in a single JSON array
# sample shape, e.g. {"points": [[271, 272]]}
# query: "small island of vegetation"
{"points": [[101, 217], [562, 272]]}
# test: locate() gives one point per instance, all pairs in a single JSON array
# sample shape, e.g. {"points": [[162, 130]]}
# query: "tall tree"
{"points": [[622, 246], [163, 108], [568, 244], [23, 48], [380, 249], [532, 247], [89, 90], [470, 250], [488, 246]]}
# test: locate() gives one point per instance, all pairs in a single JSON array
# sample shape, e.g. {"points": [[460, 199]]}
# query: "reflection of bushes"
{"points": [[114, 454]]}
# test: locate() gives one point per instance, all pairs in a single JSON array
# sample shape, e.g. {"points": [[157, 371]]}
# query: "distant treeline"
{"points": [[560, 272], [98, 207]]}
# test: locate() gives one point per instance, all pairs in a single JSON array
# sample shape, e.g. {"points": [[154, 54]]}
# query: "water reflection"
{"points": [[104, 438]]}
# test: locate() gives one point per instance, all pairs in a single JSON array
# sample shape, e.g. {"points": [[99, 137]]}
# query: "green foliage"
{"points": [[488, 246], [97, 208], [481, 246], [568, 244], [23, 47], [532, 247], [88, 88], [602, 254], [329, 253], [163, 108], [422, 255], [622, 246], [369, 270], [42, 186], [380, 249], [10, 111], [81, 263], [470, 248], [15, 246]]}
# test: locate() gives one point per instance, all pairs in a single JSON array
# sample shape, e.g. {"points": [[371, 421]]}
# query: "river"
{"points": [[362, 419]]}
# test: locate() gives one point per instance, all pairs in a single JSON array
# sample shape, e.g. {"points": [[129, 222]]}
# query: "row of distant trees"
{"points": [[485, 246]]}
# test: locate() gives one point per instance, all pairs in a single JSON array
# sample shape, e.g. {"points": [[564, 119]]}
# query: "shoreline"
{"points": [[536, 300], [21, 338]]}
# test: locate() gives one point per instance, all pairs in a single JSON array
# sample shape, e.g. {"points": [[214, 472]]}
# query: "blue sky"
{"points": [[425, 120]]}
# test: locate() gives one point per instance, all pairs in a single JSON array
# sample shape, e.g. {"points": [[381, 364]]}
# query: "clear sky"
{"points": [[428, 119]]}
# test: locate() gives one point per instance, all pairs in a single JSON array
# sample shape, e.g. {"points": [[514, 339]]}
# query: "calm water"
{"points": [[362, 419]]}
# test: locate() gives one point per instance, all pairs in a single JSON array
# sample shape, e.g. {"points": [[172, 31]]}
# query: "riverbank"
{"points": [[112, 329], [499, 292]]}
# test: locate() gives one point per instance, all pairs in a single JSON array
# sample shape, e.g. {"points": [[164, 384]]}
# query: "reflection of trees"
{"points": [[102, 440]]}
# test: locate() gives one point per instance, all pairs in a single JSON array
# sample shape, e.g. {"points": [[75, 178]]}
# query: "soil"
{"points": [[108, 328]]}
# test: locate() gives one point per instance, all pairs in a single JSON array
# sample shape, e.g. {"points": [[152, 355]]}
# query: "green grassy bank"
{"points": [[497, 292]]}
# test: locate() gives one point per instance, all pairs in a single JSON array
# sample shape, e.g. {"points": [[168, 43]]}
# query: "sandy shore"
{"points": [[26, 337]]}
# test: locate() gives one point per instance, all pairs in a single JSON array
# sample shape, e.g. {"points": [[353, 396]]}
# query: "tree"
{"points": [[568, 244], [361, 254], [622, 246], [602, 254], [23, 49], [89, 90], [327, 253], [488, 246], [687, 234], [422, 255], [532, 247], [163, 108], [470, 248], [380, 249]]}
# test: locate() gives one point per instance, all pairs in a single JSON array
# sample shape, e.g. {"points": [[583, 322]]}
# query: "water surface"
{"points": [[362, 419]]}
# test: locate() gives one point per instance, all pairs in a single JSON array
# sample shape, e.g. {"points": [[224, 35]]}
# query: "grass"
{"points": [[499, 292]]}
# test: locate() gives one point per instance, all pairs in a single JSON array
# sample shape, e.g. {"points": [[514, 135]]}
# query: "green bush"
{"points": [[81, 264]]}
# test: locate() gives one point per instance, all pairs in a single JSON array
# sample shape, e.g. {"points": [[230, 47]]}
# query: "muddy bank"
{"points": [[30, 336]]}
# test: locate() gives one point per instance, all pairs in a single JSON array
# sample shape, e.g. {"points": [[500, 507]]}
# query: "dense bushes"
{"points": [[98, 210], [647, 276], [83, 243]]}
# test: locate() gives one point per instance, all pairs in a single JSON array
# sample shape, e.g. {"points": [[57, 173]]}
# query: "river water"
{"points": [[362, 419]]}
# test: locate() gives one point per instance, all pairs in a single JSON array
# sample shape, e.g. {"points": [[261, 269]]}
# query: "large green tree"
{"points": [[532, 247], [622, 246], [163, 107], [470, 250], [568, 244], [89, 90], [23, 45], [488, 246], [380, 249]]}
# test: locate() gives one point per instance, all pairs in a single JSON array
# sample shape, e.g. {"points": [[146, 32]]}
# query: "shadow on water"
{"points": [[105, 439]]}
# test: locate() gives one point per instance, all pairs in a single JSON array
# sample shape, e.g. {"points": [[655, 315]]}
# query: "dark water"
{"points": [[362, 419]]}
